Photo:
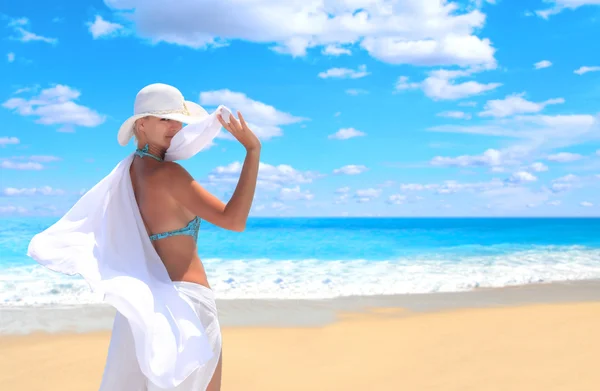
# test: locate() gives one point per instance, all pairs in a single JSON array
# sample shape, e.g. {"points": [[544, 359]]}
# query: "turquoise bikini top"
{"points": [[191, 228]]}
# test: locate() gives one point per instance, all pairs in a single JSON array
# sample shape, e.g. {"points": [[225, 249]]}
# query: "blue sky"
{"points": [[364, 107]]}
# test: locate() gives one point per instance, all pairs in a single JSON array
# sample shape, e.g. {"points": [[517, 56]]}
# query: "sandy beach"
{"points": [[541, 345]]}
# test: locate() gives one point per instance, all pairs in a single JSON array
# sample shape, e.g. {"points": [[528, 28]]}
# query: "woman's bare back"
{"points": [[162, 213], [169, 198]]}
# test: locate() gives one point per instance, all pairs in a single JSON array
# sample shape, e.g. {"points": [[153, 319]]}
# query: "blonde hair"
{"points": [[135, 139], [135, 130]]}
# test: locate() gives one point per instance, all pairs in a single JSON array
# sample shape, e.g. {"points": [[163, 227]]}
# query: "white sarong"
{"points": [[122, 372], [103, 239]]}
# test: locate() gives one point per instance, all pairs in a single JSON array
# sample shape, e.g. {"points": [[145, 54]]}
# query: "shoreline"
{"points": [[303, 312], [520, 347]]}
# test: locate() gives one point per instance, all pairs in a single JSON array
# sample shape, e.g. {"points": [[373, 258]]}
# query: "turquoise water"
{"points": [[328, 257]]}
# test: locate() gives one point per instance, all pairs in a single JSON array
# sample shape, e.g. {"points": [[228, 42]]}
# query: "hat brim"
{"points": [[197, 114]]}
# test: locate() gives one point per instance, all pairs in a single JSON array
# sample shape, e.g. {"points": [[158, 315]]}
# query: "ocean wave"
{"points": [[314, 279]]}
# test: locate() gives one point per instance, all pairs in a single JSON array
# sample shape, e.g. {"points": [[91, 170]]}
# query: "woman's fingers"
{"points": [[233, 126], [242, 120], [230, 126]]}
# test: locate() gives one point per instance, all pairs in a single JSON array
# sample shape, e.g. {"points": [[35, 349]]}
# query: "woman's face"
{"points": [[157, 131]]}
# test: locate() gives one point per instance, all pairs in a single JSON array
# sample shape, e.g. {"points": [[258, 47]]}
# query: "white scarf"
{"points": [[103, 239]]}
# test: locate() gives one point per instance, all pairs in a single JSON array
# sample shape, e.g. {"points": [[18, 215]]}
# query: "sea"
{"points": [[316, 258]]}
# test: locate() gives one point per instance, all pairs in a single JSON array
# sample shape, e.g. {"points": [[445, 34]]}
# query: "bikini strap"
{"points": [[144, 152]]}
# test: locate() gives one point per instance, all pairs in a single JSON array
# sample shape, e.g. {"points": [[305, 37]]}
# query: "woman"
{"points": [[154, 283]]}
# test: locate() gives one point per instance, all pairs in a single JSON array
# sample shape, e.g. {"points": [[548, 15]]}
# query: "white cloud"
{"points": [[455, 114], [44, 158], [564, 183], [433, 32], [582, 70], [27, 162], [404, 84], [56, 106], [15, 22], [452, 186], [449, 188], [366, 195], [103, 28], [560, 5], [10, 57], [467, 104], [27, 89], [346, 133], [270, 177], [544, 13], [538, 167], [417, 187], [459, 50], [396, 199], [350, 169], [387, 183], [264, 120], [356, 91], [490, 158], [280, 206], [334, 50], [9, 140], [515, 104], [26, 35], [558, 125], [12, 165], [542, 64], [345, 73], [514, 197], [567, 178], [19, 192], [535, 133], [522, 177], [343, 195], [513, 158], [586, 204], [445, 89], [295, 194], [560, 187], [564, 157], [10, 209], [441, 85]]}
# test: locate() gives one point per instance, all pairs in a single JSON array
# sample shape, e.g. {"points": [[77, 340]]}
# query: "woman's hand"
{"points": [[241, 131]]}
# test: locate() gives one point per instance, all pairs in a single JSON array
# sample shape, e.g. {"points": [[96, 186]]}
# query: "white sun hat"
{"points": [[163, 101]]}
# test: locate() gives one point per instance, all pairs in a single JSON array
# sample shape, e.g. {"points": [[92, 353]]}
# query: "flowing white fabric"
{"points": [[103, 239], [122, 372]]}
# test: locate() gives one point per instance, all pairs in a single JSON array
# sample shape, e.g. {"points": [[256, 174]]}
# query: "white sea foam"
{"points": [[312, 278]]}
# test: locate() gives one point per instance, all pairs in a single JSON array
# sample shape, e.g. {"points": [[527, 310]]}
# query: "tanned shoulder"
{"points": [[174, 175]]}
